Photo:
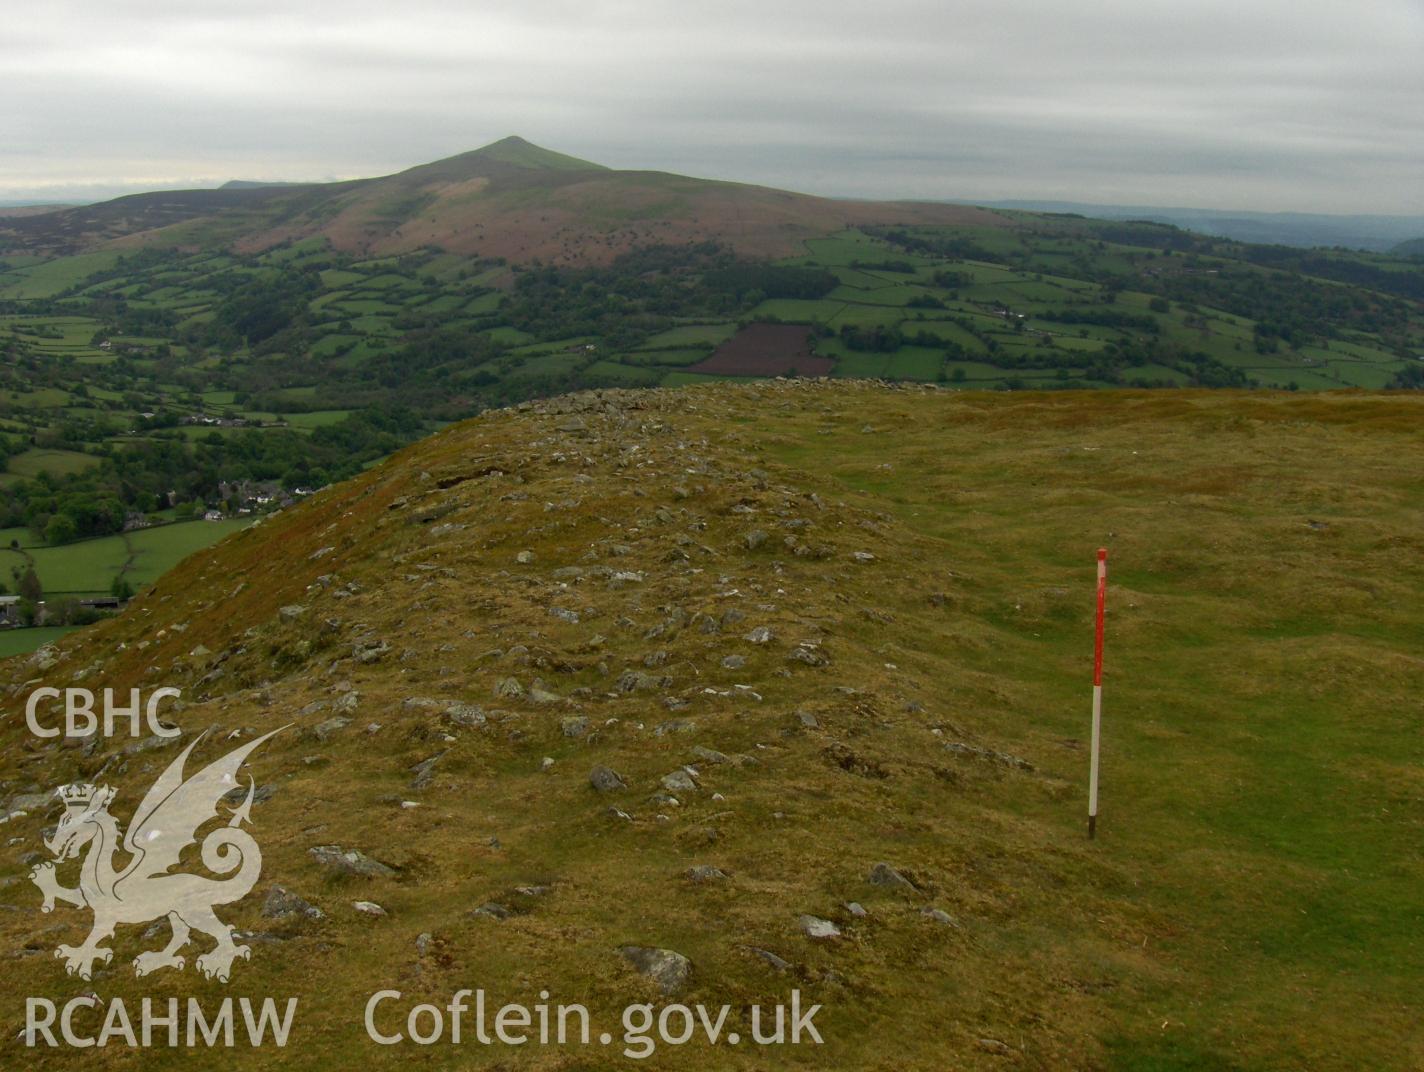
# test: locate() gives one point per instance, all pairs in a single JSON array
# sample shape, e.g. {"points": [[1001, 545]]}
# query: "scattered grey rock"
{"points": [[524, 557], [637, 681], [538, 694], [564, 615], [149, 744], [760, 635], [808, 720], [238, 794], [423, 773], [754, 539], [574, 726], [606, 779], [28, 802], [291, 612], [369, 908], [704, 873], [349, 862], [45, 658], [464, 714], [509, 689], [939, 916], [680, 781], [882, 874], [770, 957], [669, 970], [370, 651], [810, 654], [492, 910], [815, 927], [862, 556], [973, 751], [674, 725], [324, 731], [282, 903], [734, 662], [856, 909]]}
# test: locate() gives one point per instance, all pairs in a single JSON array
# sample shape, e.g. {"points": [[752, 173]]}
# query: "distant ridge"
{"points": [[251, 184], [1303, 229], [510, 199]]}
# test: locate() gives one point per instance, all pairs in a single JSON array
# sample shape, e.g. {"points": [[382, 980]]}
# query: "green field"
{"points": [[20, 641], [90, 567], [55, 462]]}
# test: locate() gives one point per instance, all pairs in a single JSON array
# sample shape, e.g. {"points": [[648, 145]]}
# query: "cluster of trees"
{"points": [[1357, 269], [935, 244], [642, 292], [163, 472], [902, 267], [745, 280], [1109, 318], [878, 340], [1411, 378], [264, 309]]}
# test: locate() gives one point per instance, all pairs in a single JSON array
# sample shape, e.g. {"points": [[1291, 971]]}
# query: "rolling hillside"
{"points": [[510, 199], [705, 695]]}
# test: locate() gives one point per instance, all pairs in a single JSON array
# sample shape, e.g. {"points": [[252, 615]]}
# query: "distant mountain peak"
{"points": [[519, 152]]}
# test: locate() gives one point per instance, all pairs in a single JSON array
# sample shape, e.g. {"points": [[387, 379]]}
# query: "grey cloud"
{"points": [[1276, 104]]}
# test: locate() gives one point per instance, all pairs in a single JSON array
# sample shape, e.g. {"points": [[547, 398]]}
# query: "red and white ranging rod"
{"points": [[1097, 692]]}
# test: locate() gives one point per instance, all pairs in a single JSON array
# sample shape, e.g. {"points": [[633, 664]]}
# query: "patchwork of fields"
{"points": [[893, 313], [196, 360]]}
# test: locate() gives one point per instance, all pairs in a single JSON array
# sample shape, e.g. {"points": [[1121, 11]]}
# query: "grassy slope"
{"points": [[1252, 902]]}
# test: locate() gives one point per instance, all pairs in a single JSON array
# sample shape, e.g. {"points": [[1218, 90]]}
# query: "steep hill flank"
{"points": [[509, 199], [814, 628]]}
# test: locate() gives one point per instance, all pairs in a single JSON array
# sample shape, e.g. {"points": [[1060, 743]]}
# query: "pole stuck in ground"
{"points": [[1097, 693]]}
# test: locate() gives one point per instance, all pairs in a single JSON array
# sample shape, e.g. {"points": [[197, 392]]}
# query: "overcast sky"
{"points": [[1257, 104]]}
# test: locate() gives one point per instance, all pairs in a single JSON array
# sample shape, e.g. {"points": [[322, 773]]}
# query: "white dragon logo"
{"points": [[164, 824]]}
